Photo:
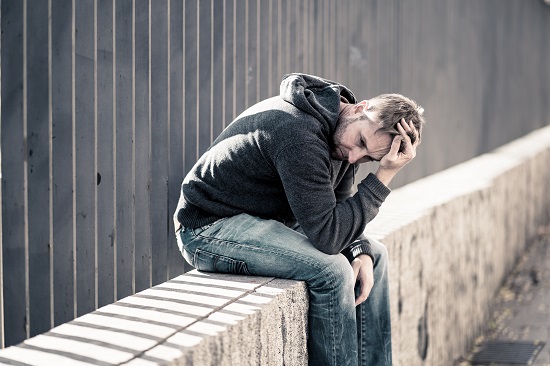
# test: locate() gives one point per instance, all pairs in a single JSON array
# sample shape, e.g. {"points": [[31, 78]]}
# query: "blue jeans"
{"points": [[245, 244]]}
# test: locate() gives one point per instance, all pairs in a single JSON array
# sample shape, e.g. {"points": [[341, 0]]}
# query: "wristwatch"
{"points": [[356, 248]]}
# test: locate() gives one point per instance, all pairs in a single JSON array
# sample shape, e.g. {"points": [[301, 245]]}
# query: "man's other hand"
{"points": [[363, 272], [396, 159]]}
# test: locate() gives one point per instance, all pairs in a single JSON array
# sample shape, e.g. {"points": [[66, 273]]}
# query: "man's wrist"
{"points": [[358, 248], [385, 175]]}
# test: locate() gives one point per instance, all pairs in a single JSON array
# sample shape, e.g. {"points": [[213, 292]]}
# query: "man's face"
{"points": [[357, 140]]}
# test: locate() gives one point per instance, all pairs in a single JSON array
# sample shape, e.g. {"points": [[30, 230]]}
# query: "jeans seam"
{"points": [[332, 320]]}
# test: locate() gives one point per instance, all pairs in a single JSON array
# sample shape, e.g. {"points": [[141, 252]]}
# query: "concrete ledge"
{"points": [[194, 319]]}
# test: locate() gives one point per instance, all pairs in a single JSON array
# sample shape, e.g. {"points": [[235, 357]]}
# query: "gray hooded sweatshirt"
{"points": [[274, 162]]}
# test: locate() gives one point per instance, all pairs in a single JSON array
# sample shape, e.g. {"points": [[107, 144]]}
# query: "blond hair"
{"points": [[391, 108]]}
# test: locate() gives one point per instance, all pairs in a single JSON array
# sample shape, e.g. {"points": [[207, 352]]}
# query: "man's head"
{"points": [[366, 130]]}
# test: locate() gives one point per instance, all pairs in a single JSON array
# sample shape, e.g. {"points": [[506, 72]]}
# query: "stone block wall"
{"points": [[194, 319]]}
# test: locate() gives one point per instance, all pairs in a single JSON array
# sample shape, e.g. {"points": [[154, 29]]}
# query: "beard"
{"points": [[341, 127]]}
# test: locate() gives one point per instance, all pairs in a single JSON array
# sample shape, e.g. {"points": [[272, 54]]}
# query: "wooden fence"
{"points": [[106, 104]]}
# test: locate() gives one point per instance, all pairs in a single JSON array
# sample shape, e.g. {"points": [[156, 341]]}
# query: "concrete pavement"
{"points": [[522, 306]]}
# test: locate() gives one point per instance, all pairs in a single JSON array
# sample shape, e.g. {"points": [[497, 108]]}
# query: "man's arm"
{"points": [[304, 170], [389, 166]]}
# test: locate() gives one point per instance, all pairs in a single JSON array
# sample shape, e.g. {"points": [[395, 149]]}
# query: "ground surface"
{"points": [[522, 306]]}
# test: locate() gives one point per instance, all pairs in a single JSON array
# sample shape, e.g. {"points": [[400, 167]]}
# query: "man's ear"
{"points": [[364, 104]]}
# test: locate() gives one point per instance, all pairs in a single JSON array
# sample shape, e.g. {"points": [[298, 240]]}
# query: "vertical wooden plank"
{"points": [[2, 329], [302, 21], [339, 28], [38, 166], [229, 57], [124, 174], [252, 76], [217, 68], [240, 61], [191, 71], [204, 84], [292, 36], [1, 184], [176, 169], [330, 37], [105, 154], [312, 60], [13, 174], [142, 146], [316, 36], [86, 177], [282, 27], [301, 38], [160, 217], [62, 165], [327, 24], [275, 48], [265, 45]]}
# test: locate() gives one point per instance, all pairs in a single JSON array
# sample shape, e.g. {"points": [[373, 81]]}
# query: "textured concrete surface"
{"points": [[521, 310], [266, 327], [452, 238], [194, 319]]}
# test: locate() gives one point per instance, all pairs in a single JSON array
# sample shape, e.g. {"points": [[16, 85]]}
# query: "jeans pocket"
{"points": [[210, 262]]}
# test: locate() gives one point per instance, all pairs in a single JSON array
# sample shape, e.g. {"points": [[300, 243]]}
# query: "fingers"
{"points": [[366, 287], [356, 266], [395, 145], [408, 130]]}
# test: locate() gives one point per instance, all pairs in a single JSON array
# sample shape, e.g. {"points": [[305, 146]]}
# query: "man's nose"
{"points": [[353, 156]]}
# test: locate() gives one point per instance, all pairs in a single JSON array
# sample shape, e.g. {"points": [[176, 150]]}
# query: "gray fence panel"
{"points": [[160, 217], [204, 85], [217, 68], [251, 52], [14, 251], [106, 107], [264, 53], [85, 167], [62, 157], [124, 149], [191, 92], [240, 59], [142, 148], [105, 155], [228, 103], [176, 264], [38, 168]]}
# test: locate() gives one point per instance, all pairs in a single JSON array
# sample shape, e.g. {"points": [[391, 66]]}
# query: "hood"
{"points": [[316, 96]]}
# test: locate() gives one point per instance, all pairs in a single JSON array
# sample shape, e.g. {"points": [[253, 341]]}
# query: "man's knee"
{"points": [[336, 272]]}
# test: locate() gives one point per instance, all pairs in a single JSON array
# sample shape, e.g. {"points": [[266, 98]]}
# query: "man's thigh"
{"points": [[250, 245]]}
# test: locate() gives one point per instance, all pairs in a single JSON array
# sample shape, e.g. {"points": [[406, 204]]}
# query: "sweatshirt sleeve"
{"points": [[304, 169]]}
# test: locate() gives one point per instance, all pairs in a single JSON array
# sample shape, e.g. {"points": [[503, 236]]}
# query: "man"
{"points": [[273, 196]]}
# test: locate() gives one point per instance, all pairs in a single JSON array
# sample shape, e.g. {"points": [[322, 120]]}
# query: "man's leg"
{"points": [[373, 316], [249, 245]]}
